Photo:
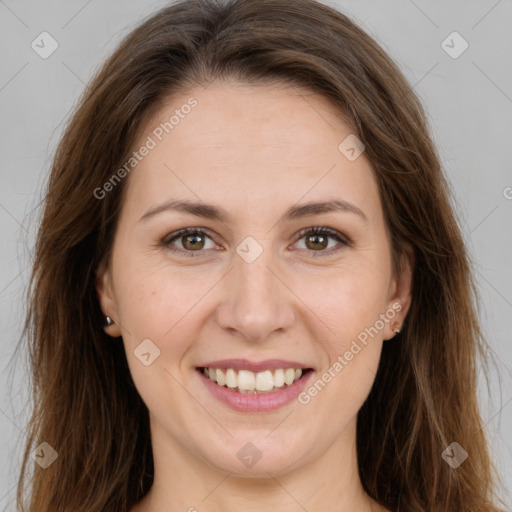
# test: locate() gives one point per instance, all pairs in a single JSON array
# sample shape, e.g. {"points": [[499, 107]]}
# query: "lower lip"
{"points": [[256, 402]]}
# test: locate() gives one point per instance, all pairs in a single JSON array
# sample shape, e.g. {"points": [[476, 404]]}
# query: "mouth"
{"points": [[254, 387], [247, 382]]}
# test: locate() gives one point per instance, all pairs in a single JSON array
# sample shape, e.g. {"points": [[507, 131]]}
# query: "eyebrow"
{"points": [[208, 211]]}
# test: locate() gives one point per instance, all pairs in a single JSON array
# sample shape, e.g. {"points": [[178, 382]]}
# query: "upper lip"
{"points": [[254, 366]]}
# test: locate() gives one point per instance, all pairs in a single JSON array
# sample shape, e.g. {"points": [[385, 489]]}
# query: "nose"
{"points": [[256, 302]]}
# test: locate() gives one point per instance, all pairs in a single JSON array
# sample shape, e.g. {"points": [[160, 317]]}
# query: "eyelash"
{"points": [[331, 233]]}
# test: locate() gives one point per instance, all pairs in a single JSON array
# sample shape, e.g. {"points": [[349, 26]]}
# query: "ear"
{"points": [[104, 291], [400, 292]]}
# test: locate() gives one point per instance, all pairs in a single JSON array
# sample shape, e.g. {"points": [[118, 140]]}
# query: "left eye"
{"points": [[193, 240], [317, 238]]}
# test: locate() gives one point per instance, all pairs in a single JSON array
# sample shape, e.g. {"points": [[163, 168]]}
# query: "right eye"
{"points": [[191, 239]]}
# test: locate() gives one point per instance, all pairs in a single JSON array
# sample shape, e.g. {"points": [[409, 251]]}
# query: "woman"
{"points": [[250, 291]]}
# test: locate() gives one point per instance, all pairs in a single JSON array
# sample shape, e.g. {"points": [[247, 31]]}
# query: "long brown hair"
{"points": [[85, 404]]}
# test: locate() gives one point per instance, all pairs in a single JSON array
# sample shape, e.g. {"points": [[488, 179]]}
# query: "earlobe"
{"points": [[107, 303], [400, 302]]}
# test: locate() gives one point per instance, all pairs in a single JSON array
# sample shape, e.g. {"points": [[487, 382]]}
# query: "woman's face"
{"points": [[251, 293]]}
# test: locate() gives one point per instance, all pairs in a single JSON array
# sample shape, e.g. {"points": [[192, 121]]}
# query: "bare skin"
{"points": [[254, 151]]}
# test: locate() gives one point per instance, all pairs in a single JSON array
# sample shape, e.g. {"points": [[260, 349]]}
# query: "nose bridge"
{"points": [[255, 281], [256, 301]]}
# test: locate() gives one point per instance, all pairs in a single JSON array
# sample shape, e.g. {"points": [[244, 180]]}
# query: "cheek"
{"points": [[351, 308], [158, 307], [347, 301], [350, 304], [157, 303]]}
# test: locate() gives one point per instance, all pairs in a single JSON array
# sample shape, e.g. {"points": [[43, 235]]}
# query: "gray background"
{"points": [[468, 101]]}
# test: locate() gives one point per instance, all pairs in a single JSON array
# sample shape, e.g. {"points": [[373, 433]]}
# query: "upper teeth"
{"points": [[246, 380]]}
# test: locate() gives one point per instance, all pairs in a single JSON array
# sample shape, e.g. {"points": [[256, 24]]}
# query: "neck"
{"points": [[183, 482]]}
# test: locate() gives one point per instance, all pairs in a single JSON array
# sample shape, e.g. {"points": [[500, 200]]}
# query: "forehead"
{"points": [[250, 147]]}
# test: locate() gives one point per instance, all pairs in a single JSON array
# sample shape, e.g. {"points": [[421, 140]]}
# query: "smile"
{"points": [[246, 386], [246, 381]]}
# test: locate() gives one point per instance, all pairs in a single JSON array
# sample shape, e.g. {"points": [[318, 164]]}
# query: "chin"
{"points": [[256, 456]]}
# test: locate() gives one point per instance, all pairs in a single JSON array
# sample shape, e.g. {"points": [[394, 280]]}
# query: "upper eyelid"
{"points": [[182, 232]]}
